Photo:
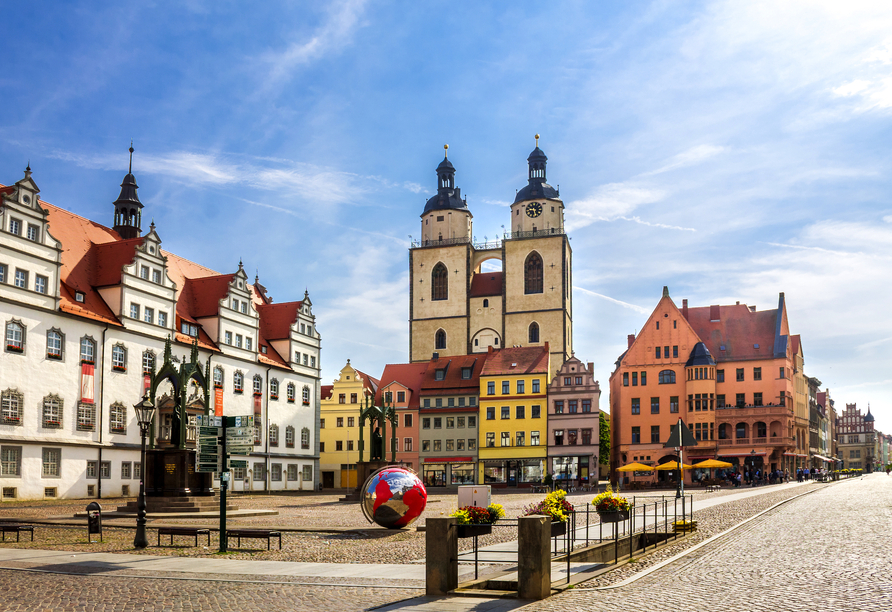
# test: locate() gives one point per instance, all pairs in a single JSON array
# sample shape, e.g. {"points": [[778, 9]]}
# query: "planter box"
{"points": [[469, 531], [613, 517], [558, 528]]}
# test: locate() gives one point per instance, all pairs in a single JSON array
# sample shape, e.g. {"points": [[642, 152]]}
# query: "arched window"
{"points": [[534, 332], [54, 343], [305, 438], [741, 431], [15, 337], [532, 274], [761, 430], [218, 377], [667, 377], [238, 382], [274, 389], [273, 434], [305, 395], [148, 363], [486, 303], [258, 384], [441, 340], [88, 349], [290, 392], [119, 358], [440, 283], [289, 437], [723, 431]]}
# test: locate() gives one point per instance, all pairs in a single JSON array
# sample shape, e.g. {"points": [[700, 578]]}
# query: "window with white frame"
{"points": [[290, 390], [15, 226], [88, 350], [258, 384], [11, 407], [306, 395], [126, 470], [218, 376], [105, 469], [244, 306], [307, 473], [15, 336], [117, 418], [54, 343], [119, 358], [2, 273], [52, 412], [238, 341], [144, 272], [134, 311], [148, 362], [52, 460], [162, 320], [305, 358], [40, 283], [227, 338], [292, 472], [275, 472], [259, 471], [312, 362], [137, 469], [156, 276], [274, 388], [92, 469], [21, 279], [258, 437], [289, 437], [238, 382], [297, 357], [86, 416], [10, 460], [249, 343], [273, 434], [148, 315], [305, 438]]}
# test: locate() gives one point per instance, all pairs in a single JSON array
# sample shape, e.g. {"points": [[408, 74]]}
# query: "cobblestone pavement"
{"points": [[824, 552]]}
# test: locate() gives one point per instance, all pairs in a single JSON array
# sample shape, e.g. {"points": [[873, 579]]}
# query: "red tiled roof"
{"points": [[109, 259], [409, 375], [326, 391], [369, 383], [485, 284], [276, 319], [452, 381], [205, 294], [738, 329], [519, 360]]}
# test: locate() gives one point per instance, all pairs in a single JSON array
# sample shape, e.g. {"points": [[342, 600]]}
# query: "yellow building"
{"points": [[339, 426], [458, 308], [513, 445]]}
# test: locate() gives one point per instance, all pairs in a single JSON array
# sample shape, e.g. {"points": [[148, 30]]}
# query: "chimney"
{"points": [[631, 340], [591, 366], [715, 313], [435, 356], [752, 309], [489, 350], [684, 308]]}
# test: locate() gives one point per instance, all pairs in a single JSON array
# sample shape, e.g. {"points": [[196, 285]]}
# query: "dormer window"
{"points": [[26, 198], [263, 349], [189, 329], [152, 249], [466, 373], [440, 374], [79, 296]]}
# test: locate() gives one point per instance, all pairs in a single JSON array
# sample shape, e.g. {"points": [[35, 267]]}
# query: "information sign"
{"points": [[238, 463], [240, 450], [208, 432]]}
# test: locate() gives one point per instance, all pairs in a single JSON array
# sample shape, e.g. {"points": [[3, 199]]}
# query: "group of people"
{"points": [[756, 476]]}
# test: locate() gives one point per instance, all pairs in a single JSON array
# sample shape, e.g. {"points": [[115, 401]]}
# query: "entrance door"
{"points": [[348, 479], [328, 480], [512, 474]]}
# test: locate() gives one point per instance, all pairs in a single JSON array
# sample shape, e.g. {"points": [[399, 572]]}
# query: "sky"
{"points": [[728, 150]]}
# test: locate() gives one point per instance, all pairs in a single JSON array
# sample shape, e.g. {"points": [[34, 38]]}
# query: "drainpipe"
{"points": [[101, 409], [266, 437]]}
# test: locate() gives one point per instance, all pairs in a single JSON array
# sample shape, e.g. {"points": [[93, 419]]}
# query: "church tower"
{"points": [[128, 208], [457, 308]]}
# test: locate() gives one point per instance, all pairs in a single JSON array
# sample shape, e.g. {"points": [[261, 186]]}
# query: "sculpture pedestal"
{"points": [[171, 473]]}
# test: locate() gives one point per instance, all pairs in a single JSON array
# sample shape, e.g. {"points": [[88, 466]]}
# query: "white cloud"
{"points": [[610, 201], [692, 156], [637, 309]]}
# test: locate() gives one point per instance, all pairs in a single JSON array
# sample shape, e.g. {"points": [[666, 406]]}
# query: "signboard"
{"points": [[234, 432], [240, 450], [238, 463], [208, 432], [240, 441], [208, 467]]}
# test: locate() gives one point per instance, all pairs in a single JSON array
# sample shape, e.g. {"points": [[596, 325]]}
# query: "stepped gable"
{"points": [[453, 383], [517, 360], [737, 328], [486, 284], [410, 375]]}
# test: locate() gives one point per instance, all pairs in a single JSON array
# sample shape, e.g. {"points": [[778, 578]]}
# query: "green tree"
{"points": [[604, 457]]}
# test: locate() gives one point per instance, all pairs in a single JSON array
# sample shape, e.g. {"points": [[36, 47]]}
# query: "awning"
{"points": [[756, 454], [795, 455], [448, 459], [821, 457]]}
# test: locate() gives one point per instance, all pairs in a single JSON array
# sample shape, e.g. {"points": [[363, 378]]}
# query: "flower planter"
{"points": [[684, 526], [613, 516], [469, 531], [558, 528]]}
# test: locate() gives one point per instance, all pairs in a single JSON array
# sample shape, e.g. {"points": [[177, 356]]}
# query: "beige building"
{"points": [[457, 308], [857, 439]]}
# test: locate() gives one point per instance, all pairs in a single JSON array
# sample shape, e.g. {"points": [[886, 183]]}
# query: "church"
{"points": [[457, 308], [87, 311]]}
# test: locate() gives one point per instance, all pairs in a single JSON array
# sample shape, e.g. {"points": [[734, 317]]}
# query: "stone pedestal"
{"points": [[534, 557], [441, 556], [171, 473]]}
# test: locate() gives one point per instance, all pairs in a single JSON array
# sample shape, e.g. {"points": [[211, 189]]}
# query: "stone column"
{"points": [[534, 557], [441, 556]]}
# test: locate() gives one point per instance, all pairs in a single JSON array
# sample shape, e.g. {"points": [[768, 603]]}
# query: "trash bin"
{"points": [[94, 521]]}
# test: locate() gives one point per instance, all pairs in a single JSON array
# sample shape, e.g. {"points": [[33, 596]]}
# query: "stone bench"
{"points": [[184, 531], [17, 530], [259, 534], [713, 488]]}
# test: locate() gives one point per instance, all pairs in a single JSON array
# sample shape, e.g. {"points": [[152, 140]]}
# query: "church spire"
{"points": [[128, 208]]}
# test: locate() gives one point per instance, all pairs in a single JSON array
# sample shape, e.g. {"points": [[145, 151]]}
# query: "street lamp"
{"points": [[679, 488], [753, 466], [145, 411]]}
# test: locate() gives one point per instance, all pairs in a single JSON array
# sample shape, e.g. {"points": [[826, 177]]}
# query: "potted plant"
{"points": [[611, 507], [554, 506], [475, 521]]}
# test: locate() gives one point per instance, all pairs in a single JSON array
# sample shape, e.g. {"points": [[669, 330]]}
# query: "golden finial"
{"points": [[537, 141], [446, 149]]}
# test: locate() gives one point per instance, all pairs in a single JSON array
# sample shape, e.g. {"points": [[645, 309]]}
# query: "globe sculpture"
{"points": [[393, 497]]}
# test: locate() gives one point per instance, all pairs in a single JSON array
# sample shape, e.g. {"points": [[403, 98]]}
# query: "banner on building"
{"points": [[218, 401], [257, 404], [146, 383], [87, 375]]}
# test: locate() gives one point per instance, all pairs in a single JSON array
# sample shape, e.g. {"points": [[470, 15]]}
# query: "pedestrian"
{"points": [[739, 477]]}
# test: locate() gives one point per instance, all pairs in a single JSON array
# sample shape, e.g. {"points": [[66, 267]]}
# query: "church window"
{"points": [[441, 340], [486, 303], [534, 332], [533, 274], [440, 283]]}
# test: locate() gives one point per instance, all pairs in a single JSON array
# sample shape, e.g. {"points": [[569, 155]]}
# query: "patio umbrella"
{"points": [[672, 465], [635, 467], [713, 463]]}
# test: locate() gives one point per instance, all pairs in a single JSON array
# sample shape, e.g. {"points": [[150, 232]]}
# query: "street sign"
{"points": [[208, 467], [240, 441], [238, 463], [233, 432], [207, 432], [244, 421], [240, 450], [208, 458], [209, 421]]}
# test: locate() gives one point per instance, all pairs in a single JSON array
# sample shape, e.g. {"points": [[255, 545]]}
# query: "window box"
{"points": [[273, 396], [14, 349], [558, 528], [258, 393], [218, 385], [52, 424], [54, 356], [12, 419], [119, 430], [119, 368], [88, 361], [290, 400], [613, 516], [306, 402]]}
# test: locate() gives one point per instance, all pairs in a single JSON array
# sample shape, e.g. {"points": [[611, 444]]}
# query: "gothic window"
{"points": [[306, 395], [119, 358], [258, 385], [117, 422], [532, 274], [305, 438], [289, 437], [218, 377], [52, 412], [290, 391], [11, 407], [441, 340], [274, 389], [88, 349], [534, 332], [273, 434], [440, 283], [15, 337], [148, 363], [667, 377], [238, 382], [54, 343]]}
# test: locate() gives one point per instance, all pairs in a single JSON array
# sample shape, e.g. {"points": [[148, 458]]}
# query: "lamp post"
{"points": [[679, 490], [145, 411], [753, 466]]}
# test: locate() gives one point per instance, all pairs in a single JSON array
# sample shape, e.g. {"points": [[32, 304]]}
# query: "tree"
{"points": [[604, 457]]}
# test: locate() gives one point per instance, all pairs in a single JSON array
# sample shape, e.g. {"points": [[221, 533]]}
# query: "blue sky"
{"points": [[728, 150]]}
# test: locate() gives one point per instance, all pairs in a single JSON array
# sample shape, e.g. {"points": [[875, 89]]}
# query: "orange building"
{"points": [[727, 371]]}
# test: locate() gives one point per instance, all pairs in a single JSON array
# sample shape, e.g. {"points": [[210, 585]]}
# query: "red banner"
{"points": [[257, 409], [146, 383], [87, 383], [218, 401]]}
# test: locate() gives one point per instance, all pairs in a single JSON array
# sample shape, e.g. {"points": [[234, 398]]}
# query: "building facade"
{"points": [[340, 406], [574, 424], [458, 308], [513, 417], [857, 438], [87, 310], [726, 371], [400, 386]]}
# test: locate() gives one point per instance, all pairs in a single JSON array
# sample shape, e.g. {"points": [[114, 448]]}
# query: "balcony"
{"points": [[745, 411], [538, 233], [773, 441]]}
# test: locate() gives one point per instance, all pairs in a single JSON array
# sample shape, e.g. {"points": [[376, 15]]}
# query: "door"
{"points": [[348, 479], [512, 474], [328, 480]]}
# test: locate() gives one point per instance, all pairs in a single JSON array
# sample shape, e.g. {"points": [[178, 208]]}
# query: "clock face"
{"points": [[534, 209]]}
